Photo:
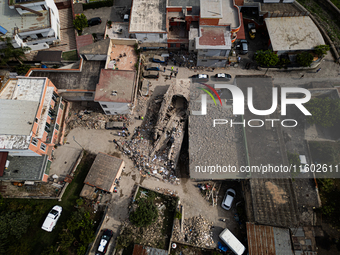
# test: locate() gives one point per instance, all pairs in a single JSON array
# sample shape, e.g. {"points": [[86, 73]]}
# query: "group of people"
{"points": [[125, 133]]}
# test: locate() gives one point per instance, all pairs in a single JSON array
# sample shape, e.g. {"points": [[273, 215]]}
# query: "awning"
{"points": [[3, 30]]}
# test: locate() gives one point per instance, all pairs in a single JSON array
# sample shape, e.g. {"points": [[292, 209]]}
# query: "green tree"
{"points": [[22, 69], [8, 52], [321, 50], [304, 59], [266, 58], [145, 214], [80, 22], [325, 111], [50, 251]]}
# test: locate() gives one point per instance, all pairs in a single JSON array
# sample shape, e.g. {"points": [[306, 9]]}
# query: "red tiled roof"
{"points": [[239, 2], [213, 36], [241, 33], [3, 159], [83, 40]]}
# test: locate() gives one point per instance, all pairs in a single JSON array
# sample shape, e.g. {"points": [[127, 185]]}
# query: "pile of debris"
{"points": [[210, 191], [196, 231], [184, 59], [93, 120]]}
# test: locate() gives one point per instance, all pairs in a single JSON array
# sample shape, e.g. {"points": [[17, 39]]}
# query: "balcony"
{"points": [[53, 113]]}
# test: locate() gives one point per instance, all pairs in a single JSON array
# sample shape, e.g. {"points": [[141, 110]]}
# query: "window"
{"points": [[47, 127], [88, 94], [107, 112], [57, 126], [43, 147], [34, 141], [161, 36], [173, 45], [104, 105], [62, 106], [36, 120]]}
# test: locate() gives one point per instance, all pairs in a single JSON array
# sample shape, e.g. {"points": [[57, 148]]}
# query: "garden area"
{"points": [[21, 221], [150, 221]]}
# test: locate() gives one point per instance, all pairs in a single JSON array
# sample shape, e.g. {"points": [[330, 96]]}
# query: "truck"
{"points": [[232, 242], [114, 125]]}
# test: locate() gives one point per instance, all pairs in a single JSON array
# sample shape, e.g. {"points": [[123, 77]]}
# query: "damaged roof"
{"points": [[263, 240], [213, 38]]}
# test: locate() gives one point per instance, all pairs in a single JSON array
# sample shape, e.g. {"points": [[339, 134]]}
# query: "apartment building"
{"points": [[30, 23], [31, 125]]}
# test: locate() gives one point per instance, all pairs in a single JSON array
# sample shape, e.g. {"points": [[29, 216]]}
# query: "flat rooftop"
{"points": [[25, 168], [195, 4], [211, 146], [273, 198], [87, 79], [279, 7], [211, 9], [148, 16], [103, 171], [213, 38], [230, 14], [122, 57], [121, 81], [10, 18], [293, 33], [19, 102]]}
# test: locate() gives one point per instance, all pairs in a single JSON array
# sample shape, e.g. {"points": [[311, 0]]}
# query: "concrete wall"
{"points": [[211, 63], [152, 37], [212, 53], [95, 57], [115, 108], [22, 153]]}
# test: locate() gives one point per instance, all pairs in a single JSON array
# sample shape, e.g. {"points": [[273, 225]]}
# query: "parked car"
{"points": [[223, 76], [126, 17], [158, 59], [151, 74], [200, 77], [104, 242], [228, 199], [94, 21], [244, 47], [252, 30], [152, 66], [303, 162], [52, 218]]}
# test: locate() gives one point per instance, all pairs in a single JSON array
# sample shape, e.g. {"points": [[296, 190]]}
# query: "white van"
{"points": [[233, 243], [303, 162]]}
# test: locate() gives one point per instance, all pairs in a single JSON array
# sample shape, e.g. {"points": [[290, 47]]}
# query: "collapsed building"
{"points": [[156, 144]]}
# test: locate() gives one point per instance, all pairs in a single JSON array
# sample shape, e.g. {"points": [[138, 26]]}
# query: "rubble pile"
{"points": [[184, 59], [196, 231], [93, 120]]}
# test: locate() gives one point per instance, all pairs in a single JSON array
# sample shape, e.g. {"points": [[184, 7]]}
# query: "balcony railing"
{"points": [[53, 114]]}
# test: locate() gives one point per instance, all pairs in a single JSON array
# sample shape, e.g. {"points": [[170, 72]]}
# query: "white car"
{"points": [[228, 199], [52, 218]]}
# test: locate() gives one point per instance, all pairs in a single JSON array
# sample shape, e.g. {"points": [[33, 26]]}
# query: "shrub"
{"points": [[145, 214], [304, 59], [22, 69], [321, 50], [266, 58], [80, 22]]}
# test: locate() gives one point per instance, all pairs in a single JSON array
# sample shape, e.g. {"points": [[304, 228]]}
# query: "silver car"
{"points": [[228, 199]]}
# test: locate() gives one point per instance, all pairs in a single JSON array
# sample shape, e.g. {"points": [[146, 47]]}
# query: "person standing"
{"points": [[172, 69], [177, 70], [318, 70], [302, 76], [175, 74], [164, 69]]}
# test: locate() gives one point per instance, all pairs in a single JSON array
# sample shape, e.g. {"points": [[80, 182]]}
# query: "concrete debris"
{"points": [[197, 232], [155, 145], [93, 120]]}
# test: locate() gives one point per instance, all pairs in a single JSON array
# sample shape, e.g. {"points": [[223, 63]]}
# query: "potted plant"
{"points": [[109, 23]]}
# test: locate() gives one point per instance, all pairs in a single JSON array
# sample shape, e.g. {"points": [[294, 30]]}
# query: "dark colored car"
{"points": [[94, 21], [223, 76], [200, 77], [244, 47], [152, 66], [158, 59], [151, 74], [104, 242]]}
